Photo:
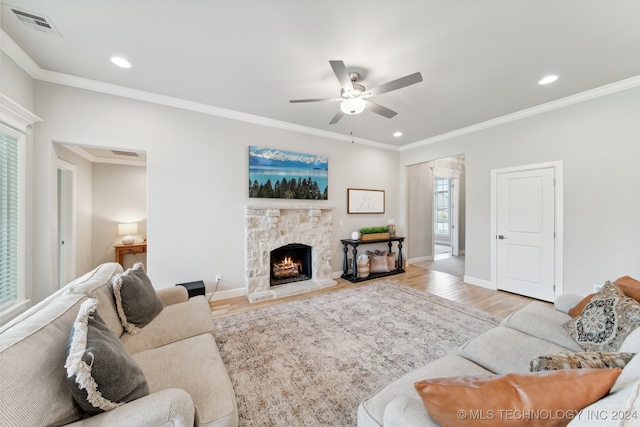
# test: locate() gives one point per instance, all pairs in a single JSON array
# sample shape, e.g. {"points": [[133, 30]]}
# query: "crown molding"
{"points": [[16, 53], [23, 60], [16, 116], [538, 109]]}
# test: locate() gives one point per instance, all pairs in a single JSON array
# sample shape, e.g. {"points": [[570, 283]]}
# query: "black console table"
{"points": [[353, 277]]}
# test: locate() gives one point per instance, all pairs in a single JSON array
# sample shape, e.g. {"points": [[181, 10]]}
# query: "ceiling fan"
{"points": [[354, 96]]}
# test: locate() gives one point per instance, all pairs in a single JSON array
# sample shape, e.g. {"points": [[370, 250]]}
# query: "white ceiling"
{"points": [[480, 59]]}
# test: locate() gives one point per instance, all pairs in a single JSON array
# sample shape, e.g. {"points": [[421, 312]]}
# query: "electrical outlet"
{"points": [[390, 221], [218, 278]]}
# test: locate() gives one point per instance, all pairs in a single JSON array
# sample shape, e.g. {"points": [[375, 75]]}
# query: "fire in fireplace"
{"points": [[290, 263]]}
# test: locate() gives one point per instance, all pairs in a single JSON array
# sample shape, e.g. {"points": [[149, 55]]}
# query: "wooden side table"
{"points": [[135, 248]]}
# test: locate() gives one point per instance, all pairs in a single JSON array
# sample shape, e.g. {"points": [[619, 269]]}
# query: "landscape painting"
{"points": [[280, 174]]}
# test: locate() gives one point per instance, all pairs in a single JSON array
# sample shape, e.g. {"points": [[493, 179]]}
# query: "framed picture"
{"points": [[362, 201], [280, 174]]}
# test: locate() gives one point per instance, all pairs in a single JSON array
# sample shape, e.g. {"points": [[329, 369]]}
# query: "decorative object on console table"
{"points": [[361, 201], [392, 230], [127, 230], [353, 274], [134, 248], [374, 233]]}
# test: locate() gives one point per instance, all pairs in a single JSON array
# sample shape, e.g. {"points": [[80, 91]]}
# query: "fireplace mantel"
{"points": [[268, 227]]}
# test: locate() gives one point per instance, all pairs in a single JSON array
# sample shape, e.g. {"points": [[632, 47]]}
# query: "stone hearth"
{"points": [[270, 227]]}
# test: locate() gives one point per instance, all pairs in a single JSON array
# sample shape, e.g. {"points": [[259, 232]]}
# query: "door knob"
{"points": [[501, 237]]}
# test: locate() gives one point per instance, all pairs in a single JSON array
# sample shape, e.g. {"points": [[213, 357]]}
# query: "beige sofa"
{"points": [[177, 352], [532, 331]]}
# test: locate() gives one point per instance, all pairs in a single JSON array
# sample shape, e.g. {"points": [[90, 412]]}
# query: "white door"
{"points": [[66, 223], [525, 229]]}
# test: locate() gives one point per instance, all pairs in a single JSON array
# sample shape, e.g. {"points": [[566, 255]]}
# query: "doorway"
{"points": [[435, 215], [527, 230], [66, 197]]}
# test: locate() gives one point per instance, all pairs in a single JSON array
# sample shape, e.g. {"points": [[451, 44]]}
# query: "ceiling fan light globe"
{"points": [[352, 106]]}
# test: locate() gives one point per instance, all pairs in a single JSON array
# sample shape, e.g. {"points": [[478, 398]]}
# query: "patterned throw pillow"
{"points": [[137, 301], [605, 321], [100, 372], [586, 360]]}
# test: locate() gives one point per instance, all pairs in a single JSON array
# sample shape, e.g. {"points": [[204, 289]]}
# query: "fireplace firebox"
{"points": [[290, 263]]}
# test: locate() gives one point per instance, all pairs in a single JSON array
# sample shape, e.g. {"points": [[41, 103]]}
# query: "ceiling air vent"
{"points": [[40, 23], [125, 153]]}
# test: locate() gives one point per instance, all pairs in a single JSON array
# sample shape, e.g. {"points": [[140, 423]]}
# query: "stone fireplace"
{"points": [[274, 228], [290, 263]]}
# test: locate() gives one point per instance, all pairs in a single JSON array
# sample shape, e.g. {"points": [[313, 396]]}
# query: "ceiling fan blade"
{"points": [[336, 118], [383, 111], [294, 101], [394, 85], [340, 70]]}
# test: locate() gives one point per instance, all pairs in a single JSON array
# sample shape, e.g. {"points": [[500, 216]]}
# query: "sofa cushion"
{"points": [[175, 322], [208, 383], [97, 284], [606, 320], [584, 360], [32, 346], [372, 411], [455, 400], [136, 300], [100, 372], [502, 350], [542, 321], [407, 411]]}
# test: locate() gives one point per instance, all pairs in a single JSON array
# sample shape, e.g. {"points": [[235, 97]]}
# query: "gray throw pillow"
{"points": [[137, 301], [100, 372]]}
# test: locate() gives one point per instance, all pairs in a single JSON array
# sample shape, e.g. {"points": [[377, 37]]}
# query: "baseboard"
{"points": [[478, 282], [420, 259], [231, 293]]}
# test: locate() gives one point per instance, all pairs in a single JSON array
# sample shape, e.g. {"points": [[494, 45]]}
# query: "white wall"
{"points": [[119, 196], [197, 174], [598, 142]]}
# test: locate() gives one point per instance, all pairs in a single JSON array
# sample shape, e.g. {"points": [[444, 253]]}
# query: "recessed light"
{"points": [[397, 134], [120, 62], [547, 80]]}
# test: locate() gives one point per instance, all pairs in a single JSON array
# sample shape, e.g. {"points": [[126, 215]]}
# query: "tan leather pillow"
{"points": [[627, 284], [577, 310], [545, 398]]}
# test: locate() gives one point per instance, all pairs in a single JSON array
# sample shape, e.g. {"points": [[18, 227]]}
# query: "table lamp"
{"points": [[127, 230]]}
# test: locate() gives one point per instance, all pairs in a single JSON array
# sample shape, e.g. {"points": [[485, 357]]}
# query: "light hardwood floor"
{"points": [[499, 303]]}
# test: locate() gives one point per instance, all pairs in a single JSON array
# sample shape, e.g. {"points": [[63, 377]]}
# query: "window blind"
{"points": [[9, 195]]}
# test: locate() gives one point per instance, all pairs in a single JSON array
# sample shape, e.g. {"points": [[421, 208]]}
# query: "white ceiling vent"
{"points": [[37, 22], [125, 153]]}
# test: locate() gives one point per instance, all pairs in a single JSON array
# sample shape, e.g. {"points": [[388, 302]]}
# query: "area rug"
{"points": [[312, 361]]}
